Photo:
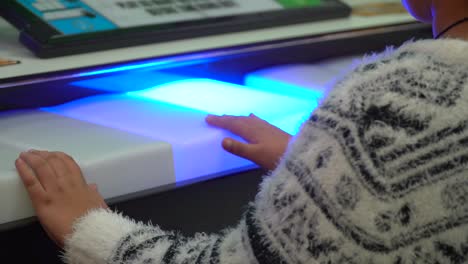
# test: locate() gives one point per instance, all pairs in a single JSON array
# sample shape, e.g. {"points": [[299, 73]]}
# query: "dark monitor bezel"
{"points": [[45, 41]]}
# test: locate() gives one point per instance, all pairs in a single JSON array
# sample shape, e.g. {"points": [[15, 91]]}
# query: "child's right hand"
{"points": [[58, 191], [265, 142]]}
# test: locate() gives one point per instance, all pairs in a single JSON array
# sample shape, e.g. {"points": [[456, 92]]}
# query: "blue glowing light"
{"points": [[151, 64], [314, 93], [131, 81], [123, 68], [278, 107]]}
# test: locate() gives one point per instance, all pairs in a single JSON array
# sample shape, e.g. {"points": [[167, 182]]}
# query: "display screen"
{"points": [[83, 16]]}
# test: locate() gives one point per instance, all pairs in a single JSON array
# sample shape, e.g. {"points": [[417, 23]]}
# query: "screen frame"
{"points": [[46, 41]]}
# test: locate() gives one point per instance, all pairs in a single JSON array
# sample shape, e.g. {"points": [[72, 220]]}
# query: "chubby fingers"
{"points": [[247, 151], [29, 178], [55, 162], [50, 169], [75, 174], [41, 169], [65, 167], [238, 125]]}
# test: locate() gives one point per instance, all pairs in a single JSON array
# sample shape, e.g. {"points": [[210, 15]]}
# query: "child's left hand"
{"points": [[58, 191]]}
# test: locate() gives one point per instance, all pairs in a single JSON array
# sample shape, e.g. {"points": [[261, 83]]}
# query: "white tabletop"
{"points": [[11, 49]]}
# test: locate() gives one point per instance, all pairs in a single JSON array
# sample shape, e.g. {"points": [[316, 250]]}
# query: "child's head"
{"points": [[444, 15], [420, 9]]}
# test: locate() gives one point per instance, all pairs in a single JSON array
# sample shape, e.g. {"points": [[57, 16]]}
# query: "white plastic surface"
{"points": [[175, 112], [119, 162], [196, 146]]}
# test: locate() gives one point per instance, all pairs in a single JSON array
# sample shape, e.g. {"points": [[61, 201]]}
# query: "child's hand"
{"points": [[265, 143], [58, 191]]}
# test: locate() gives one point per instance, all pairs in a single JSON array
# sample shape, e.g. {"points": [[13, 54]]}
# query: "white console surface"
{"points": [[119, 162], [134, 145], [196, 147]]}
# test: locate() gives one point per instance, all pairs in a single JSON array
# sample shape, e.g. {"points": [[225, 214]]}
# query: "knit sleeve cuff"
{"points": [[95, 236]]}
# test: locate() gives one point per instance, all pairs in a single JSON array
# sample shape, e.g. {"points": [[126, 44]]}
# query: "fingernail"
{"points": [[19, 160], [32, 151], [228, 143]]}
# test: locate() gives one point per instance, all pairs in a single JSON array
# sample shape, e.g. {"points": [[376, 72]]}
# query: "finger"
{"points": [[93, 187], [41, 168], [254, 118], [77, 175], [247, 151], [235, 124], [217, 121], [57, 164], [70, 162], [31, 183]]}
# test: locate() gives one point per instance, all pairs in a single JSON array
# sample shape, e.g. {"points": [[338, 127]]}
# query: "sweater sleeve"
{"points": [[103, 236]]}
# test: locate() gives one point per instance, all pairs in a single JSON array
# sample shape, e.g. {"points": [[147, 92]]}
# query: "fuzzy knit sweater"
{"points": [[378, 174]]}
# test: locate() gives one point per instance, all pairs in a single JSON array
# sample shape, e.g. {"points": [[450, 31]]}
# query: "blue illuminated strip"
{"points": [[155, 63], [272, 85], [278, 107], [124, 68]]}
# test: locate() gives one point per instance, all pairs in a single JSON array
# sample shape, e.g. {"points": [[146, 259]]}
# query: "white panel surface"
{"points": [[119, 162], [196, 146]]}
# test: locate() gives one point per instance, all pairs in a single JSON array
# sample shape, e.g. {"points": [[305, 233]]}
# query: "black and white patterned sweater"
{"points": [[378, 174]]}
